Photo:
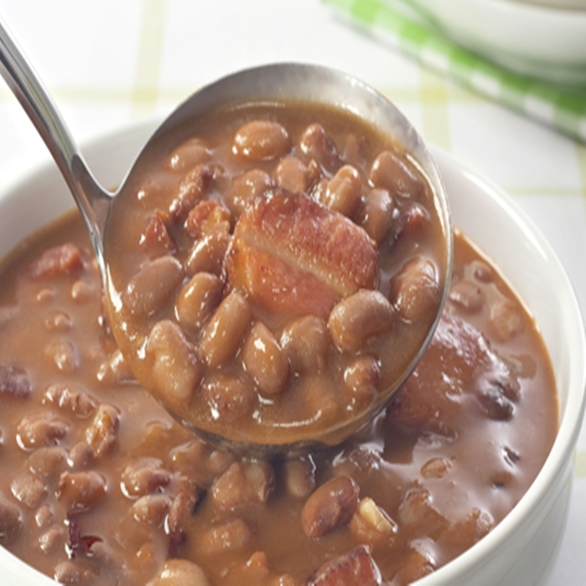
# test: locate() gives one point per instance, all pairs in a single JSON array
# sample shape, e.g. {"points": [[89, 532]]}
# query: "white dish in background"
{"points": [[522, 547], [526, 37]]}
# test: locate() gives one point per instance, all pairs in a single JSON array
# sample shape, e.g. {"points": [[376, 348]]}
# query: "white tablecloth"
{"points": [[111, 62]]}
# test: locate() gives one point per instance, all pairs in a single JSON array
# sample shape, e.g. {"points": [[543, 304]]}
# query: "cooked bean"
{"points": [[376, 215], [207, 254], [39, 429], [416, 510], [176, 367], [192, 188], [370, 524], [144, 476], [152, 285], [58, 321], [28, 489], [44, 516], [330, 507], [102, 432], [224, 332], [465, 532], [10, 522], [362, 377], [14, 381], [505, 320], [243, 484], [306, 342], [357, 317], [69, 399], [151, 509], [64, 355], [316, 144], [82, 291], [467, 296], [344, 190], [180, 573], [52, 539], [198, 300], [46, 461], [232, 535], [418, 564], [391, 171], [355, 568], [80, 456], [246, 188], [80, 491], [261, 140], [292, 174], [436, 467], [299, 476], [68, 572], [187, 155], [264, 360], [415, 290], [182, 508]]}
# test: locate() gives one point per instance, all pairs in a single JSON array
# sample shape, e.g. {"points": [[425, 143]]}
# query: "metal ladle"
{"points": [[272, 82]]}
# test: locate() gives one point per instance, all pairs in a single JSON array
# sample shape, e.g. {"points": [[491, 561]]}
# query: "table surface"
{"points": [[112, 63]]}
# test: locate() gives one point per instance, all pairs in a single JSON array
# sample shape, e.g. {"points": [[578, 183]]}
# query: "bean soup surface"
{"points": [[275, 269], [100, 485]]}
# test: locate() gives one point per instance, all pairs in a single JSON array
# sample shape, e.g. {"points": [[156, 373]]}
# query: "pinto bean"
{"points": [[10, 522], [207, 254], [370, 524], [224, 332], [187, 155], [417, 511], [299, 476], [63, 354], [40, 429], [244, 483], [52, 539], [362, 377], [246, 188], [152, 285], [180, 572], [156, 240], [177, 370], [144, 476], [58, 321], [232, 535], [357, 317], [14, 382], [198, 300], [69, 400], [391, 171], [467, 295], [115, 370], [204, 216], [316, 144], [81, 491], [103, 429], [45, 462], [344, 190], [261, 140], [305, 341], [70, 573], [330, 507], [292, 174], [505, 320], [264, 360], [415, 290], [28, 489], [376, 214], [151, 509], [182, 508]]}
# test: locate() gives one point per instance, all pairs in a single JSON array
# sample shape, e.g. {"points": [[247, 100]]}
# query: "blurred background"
{"points": [[508, 104]]}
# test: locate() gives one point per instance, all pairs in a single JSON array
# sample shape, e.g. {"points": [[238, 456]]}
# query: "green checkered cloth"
{"points": [[560, 107]]}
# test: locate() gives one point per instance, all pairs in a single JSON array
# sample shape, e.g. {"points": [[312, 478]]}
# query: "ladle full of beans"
{"points": [[276, 260]]}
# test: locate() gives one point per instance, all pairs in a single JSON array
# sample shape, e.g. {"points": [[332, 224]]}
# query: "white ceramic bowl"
{"points": [[519, 550], [526, 37]]}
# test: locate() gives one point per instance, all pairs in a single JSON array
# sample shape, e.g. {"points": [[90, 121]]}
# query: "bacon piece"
{"points": [[59, 260], [292, 255]]}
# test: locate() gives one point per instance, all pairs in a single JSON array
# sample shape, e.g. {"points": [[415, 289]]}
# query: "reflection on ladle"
{"points": [[260, 226]]}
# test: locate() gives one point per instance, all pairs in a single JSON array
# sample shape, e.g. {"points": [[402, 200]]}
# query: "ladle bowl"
{"points": [[272, 82]]}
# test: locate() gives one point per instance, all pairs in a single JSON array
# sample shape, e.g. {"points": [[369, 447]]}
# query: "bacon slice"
{"points": [[292, 255]]}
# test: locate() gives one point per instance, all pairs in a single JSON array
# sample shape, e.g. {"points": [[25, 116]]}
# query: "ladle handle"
{"points": [[92, 200]]}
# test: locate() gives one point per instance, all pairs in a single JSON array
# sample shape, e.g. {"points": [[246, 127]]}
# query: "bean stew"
{"points": [[100, 485]]}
